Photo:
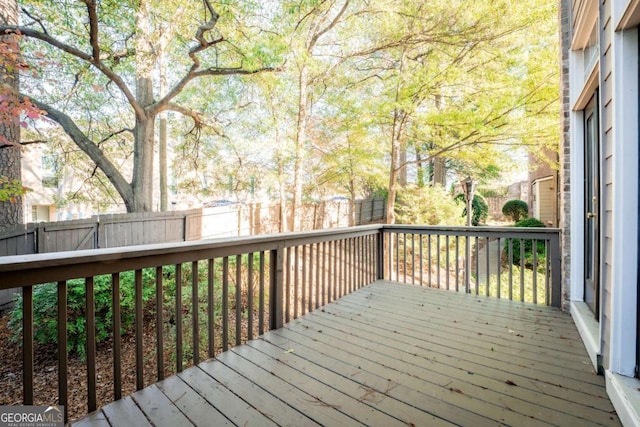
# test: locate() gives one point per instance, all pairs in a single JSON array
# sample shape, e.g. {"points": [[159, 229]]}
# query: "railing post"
{"points": [[27, 345], [63, 392], [556, 283], [380, 257], [467, 264], [276, 261]]}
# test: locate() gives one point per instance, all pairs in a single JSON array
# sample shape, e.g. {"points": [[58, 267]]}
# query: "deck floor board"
{"points": [[389, 354], [156, 404], [450, 335]]}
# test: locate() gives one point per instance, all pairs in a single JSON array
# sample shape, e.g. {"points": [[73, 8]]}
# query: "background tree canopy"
{"points": [[285, 99]]}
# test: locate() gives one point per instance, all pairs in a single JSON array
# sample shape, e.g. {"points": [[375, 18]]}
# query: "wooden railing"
{"points": [[516, 263], [202, 297], [225, 291]]}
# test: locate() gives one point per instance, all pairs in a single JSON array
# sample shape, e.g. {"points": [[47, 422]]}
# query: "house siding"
{"points": [[611, 337], [543, 206], [606, 93]]}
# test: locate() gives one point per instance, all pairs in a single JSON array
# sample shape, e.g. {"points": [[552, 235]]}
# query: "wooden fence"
{"points": [[108, 231], [495, 204]]}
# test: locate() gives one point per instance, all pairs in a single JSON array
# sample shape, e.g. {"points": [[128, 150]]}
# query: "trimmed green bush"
{"points": [[530, 222], [528, 245], [516, 210]]}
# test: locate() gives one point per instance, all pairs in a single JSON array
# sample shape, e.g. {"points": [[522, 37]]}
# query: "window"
{"points": [[50, 171]]}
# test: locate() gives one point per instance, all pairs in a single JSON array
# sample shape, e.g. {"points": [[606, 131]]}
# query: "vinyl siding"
{"points": [[607, 180]]}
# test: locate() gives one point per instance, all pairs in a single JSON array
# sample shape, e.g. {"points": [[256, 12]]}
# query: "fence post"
{"points": [[97, 243], [39, 239], [556, 281], [276, 262], [185, 227]]}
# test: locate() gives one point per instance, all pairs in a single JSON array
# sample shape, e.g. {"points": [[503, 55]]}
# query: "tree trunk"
{"points": [[11, 212], [439, 171], [142, 183], [439, 164], [301, 136], [352, 201], [144, 138], [162, 149], [402, 174], [393, 175]]}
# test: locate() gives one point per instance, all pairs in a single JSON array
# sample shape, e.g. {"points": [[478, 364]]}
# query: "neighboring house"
{"points": [[600, 185], [543, 185], [40, 175]]}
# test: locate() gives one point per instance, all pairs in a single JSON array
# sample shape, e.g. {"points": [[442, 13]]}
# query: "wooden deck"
{"points": [[387, 355]]}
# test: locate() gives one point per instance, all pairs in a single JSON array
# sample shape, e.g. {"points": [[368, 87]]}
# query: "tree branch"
{"points": [[71, 50], [38, 141], [195, 71], [330, 25], [89, 148], [93, 28]]}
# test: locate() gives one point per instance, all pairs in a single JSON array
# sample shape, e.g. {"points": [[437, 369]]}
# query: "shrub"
{"points": [[516, 210], [479, 209], [45, 310], [430, 205], [530, 222], [528, 245]]}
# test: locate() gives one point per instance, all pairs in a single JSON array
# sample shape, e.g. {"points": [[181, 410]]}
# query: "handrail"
{"points": [[32, 269], [270, 279]]}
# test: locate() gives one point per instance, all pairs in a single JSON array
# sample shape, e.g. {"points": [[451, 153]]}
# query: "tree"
{"points": [[103, 58], [396, 82], [456, 81], [315, 24], [13, 109]]}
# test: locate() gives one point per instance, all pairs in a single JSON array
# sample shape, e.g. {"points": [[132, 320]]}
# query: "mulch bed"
{"points": [[46, 365], [46, 371]]}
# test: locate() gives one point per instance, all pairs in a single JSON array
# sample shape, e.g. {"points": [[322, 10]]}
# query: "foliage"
{"points": [[521, 290], [364, 91], [528, 246], [103, 58], [492, 191], [466, 84], [45, 310], [13, 106], [10, 190], [479, 208], [430, 205], [530, 222], [516, 209]]}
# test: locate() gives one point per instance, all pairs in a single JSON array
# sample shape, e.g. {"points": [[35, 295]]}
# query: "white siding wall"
{"points": [[613, 339]]}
